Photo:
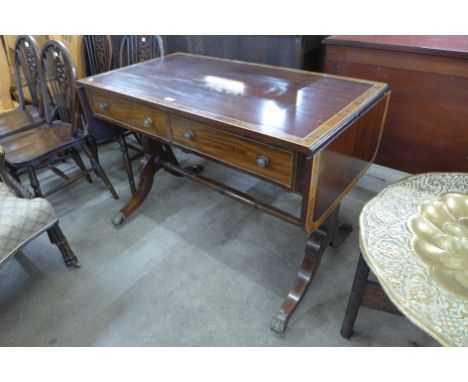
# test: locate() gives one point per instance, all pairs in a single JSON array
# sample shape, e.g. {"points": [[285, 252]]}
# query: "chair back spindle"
{"points": [[96, 54], [135, 49], [27, 69], [59, 84]]}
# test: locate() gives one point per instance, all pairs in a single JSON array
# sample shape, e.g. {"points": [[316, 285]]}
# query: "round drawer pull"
{"points": [[189, 135], [148, 122], [262, 161], [104, 106]]}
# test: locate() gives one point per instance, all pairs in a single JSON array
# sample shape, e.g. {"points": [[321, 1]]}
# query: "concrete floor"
{"points": [[192, 268]]}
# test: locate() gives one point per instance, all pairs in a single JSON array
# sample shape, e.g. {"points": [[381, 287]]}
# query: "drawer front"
{"points": [[257, 158], [130, 114]]}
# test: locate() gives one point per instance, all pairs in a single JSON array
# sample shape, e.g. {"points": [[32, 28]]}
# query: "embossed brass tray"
{"points": [[413, 237], [440, 239]]}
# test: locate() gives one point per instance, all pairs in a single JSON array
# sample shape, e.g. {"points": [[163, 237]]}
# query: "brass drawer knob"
{"points": [[104, 106], [148, 122], [189, 135], [262, 161]]}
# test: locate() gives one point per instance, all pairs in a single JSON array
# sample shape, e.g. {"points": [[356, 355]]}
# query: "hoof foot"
{"points": [[72, 262], [278, 323], [118, 219]]}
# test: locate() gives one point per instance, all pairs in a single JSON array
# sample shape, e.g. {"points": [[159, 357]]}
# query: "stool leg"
{"points": [[57, 237], [355, 298]]}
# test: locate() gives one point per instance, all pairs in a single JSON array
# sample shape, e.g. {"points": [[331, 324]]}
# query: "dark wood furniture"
{"points": [[97, 57], [25, 116], [54, 231], [299, 52], [427, 127], [59, 138], [364, 292], [139, 48], [308, 133]]}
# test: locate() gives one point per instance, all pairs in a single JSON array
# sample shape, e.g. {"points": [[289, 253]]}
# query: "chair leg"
{"points": [[138, 138], [57, 237], [127, 162], [355, 298], [97, 166], [34, 181], [79, 162], [94, 149]]}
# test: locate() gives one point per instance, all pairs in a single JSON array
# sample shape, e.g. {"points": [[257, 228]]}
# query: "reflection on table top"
{"points": [[270, 100]]}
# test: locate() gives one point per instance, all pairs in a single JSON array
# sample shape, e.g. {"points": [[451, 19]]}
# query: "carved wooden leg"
{"points": [[314, 249], [57, 237], [355, 298], [100, 170], [148, 167], [127, 162], [34, 181], [77, 158]]}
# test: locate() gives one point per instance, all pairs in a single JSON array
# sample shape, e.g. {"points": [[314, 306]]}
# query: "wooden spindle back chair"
{"points": [[30, 112], [59, 86], [60, 137], [27, 69], [134, 49], [96, 54]]}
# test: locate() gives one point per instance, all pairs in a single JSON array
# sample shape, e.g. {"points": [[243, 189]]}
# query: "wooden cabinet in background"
{"points": [[300, 52], [427, 122]]}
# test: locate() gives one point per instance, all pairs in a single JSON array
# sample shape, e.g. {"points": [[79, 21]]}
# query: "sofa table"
{"points": [[309, 133]]}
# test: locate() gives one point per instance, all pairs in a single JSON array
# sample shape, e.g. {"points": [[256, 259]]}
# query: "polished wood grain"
{"points": [[426, 128], [310, 133], [129, 114], [262, 102], [234, 150], [451, 46], [343, 161]]}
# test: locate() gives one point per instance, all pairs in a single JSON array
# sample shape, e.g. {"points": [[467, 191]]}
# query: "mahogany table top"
{"points": [[257, 100]]}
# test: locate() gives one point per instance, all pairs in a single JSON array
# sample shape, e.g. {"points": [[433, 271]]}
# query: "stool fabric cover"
{"points": [[21, 220]]}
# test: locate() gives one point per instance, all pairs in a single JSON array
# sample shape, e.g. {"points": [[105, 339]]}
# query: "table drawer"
{"points": [[128, 113], [257, 158]]}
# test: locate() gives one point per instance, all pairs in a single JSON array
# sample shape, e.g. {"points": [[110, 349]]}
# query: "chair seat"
{"points": [[17, 120], [39, 142], [21, 220]]}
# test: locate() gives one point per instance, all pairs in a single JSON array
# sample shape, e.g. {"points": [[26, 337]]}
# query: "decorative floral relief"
{"points": [[386, 243], [440, 239]]}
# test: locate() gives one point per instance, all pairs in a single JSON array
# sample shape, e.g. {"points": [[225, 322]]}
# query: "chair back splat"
{"points": [[27, 70], [96, 54], [135, 49], [59, 85]]}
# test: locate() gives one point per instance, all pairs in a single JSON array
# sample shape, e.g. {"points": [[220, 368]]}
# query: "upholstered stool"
{"points": [[22, 219], [414, 238]]}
